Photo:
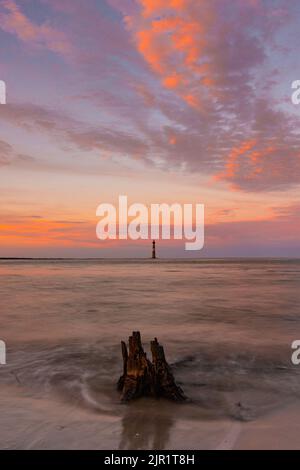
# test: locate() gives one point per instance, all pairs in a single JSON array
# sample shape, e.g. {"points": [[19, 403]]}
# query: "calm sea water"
{"points": [[227, 328]]}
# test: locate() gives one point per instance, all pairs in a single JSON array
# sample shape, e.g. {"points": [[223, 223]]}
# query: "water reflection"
{"points": [[145, 428]]}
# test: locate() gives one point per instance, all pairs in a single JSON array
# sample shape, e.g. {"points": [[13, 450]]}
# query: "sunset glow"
{"points": [[165, 101]]}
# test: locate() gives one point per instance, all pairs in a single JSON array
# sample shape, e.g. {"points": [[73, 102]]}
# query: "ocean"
{"points": [[226, 325]]}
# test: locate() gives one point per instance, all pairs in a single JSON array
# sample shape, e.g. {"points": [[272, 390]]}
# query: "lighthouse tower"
{"points": [[153, 250]]}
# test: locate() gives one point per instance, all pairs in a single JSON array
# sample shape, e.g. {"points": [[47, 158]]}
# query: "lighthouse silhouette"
{"points": [[153, 250]]}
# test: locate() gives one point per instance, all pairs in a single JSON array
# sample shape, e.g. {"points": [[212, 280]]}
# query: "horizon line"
{"points": [[57, 258]]}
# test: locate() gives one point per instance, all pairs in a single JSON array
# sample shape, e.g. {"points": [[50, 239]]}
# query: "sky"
{"points": [[164, 101]]}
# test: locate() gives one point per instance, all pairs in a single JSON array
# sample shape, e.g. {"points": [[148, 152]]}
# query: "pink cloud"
{"points": [[14, 21], [183, 84], [194, 49], [64, 128], [213, 58], [273, 236]]}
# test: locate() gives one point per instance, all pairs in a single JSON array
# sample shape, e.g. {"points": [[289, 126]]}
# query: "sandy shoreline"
{"points": [[38, 423]]}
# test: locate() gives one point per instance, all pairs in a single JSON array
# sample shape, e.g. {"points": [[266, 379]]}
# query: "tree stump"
{"points": [[144, 378]]}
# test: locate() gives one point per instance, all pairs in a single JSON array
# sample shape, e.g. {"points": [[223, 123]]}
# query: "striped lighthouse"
{"points": [[153, 250]]}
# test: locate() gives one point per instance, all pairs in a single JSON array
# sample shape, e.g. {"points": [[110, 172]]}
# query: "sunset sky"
{"points": [[183, 101]]}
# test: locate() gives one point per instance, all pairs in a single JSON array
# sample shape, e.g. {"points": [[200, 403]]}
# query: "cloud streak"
{"points": [[43, 36]]}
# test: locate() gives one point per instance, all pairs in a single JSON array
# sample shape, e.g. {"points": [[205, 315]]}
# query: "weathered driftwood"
{"points": [[144, 378]]}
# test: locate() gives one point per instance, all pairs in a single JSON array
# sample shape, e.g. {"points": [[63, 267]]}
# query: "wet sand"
{"points": [[42, 424]]}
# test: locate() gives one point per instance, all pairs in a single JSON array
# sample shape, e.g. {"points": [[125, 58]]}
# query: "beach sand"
{"points": [[41, 424]]}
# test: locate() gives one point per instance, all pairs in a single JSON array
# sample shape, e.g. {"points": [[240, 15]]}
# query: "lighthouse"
{"points": [[153, 250]]}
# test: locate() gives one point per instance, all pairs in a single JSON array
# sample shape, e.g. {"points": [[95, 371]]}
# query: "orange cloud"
{"points": [[249, 151], [151, 52], [232, 164], [30, 231], [174, 44], [154, 6], [191, 100], [172, 81]]}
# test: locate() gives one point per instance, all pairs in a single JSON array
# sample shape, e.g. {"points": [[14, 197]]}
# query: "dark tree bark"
{"points": [[144, 378]]}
